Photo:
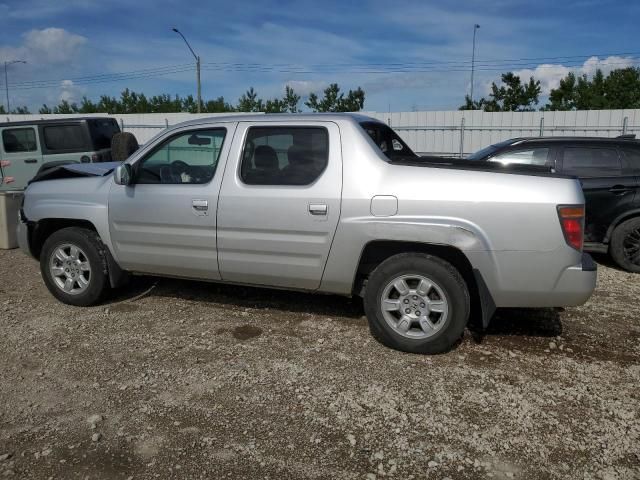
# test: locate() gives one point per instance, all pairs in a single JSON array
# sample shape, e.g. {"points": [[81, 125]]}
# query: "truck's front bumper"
{"points": [[22, 234]]}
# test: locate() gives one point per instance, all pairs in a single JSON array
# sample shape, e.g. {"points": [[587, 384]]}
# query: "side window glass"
{"points": [[188, 158], [18, 140], [532, 156], [284, 155], [633, 159], [65, 138], [591, 162]]}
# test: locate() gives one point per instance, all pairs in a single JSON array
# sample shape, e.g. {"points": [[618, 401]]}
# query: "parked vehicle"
{"points": [[609, 170], [28, 147], [332, 203]]}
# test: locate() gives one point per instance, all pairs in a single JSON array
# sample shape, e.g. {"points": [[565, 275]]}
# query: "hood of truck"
{"points": [[74, 170]]}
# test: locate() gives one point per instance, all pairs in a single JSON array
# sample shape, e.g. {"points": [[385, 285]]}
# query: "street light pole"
{"points": [[473, 58], [197, 66], [6, 80]]}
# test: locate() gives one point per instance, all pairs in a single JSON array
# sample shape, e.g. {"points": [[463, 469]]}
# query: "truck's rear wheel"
{"points": [[72, 266], [625, 245], [417, 303]]}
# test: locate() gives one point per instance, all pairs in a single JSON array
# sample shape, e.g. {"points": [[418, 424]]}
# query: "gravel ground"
{"points": [[199, 380]]}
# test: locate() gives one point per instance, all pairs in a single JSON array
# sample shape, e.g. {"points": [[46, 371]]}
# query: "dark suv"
{"points": [[609, 169]]}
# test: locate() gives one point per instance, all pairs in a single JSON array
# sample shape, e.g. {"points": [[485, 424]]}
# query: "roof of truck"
{"points": [[279, 117]]}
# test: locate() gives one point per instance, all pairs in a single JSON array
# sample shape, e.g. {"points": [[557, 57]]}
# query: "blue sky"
{"points": [[66, 39]]}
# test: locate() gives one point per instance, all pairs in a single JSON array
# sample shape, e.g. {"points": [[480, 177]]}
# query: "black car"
{"points": [[609, 170]]}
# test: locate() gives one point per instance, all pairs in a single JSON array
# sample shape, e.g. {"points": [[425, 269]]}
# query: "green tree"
{"points": [[44, 109], [619, 89], [291, 100], [334, 101], [87, 106], [511, 96], [217, 106], [2, 110], [249, 102], [65, 107], [472, 104]]}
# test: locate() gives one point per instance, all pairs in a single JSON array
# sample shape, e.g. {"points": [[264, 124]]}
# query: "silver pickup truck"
{"points": [[331, 203]]}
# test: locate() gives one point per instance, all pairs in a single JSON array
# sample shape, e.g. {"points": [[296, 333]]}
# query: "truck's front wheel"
{"points": [[417, 303], [72, 266]]}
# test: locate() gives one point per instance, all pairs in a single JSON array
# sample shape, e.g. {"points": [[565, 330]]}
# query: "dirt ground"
{"points": [[197, 380]]}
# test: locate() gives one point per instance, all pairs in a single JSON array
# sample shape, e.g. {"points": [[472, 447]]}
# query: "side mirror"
{"points": [[123, 175]]}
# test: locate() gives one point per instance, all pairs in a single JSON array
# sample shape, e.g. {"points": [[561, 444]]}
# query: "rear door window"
{"points": [[65, 138], [284, 155], [101, 132], [591, 162], [16, 140], [529, 156]]}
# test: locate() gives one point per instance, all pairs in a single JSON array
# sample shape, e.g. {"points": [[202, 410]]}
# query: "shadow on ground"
{"points": [[541, 322]]}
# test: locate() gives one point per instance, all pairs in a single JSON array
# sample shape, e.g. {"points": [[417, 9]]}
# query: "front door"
{"points": [[608, 186], [280, 204], [165, 221], [20, 156]]}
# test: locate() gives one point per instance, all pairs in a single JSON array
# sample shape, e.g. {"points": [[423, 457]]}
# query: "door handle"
{"points": [[619, 190], [318, 209], [200, 205], [31, 160]]}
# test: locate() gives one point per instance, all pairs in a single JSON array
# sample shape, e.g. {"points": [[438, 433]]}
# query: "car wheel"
{"points": [[73, 266], [417, 303], [625, 245]]}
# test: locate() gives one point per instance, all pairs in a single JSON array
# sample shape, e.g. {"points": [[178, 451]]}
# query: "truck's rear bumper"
{"points": [[577, 283], [528, 279]]}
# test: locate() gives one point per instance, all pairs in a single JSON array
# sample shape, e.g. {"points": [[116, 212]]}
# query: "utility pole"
{"points": [[6, 80], [473, 58], [197, 67]]}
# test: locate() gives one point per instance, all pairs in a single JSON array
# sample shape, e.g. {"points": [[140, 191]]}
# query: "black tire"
{"points": [[93, 249], [123, 144], [624, 247], [448, 280]]}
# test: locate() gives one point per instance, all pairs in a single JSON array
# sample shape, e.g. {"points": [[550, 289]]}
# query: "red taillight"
{"points": [[572, 222], [96, 157], [8, 180], [5, 163]]}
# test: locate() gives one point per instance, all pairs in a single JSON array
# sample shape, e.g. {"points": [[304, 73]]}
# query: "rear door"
{"points": [[280, 203], [609, 187], [20, 156], [65, 142]]}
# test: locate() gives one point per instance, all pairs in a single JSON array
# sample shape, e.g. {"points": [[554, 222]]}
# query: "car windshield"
{"points": [[388, 141], [488, 151]]}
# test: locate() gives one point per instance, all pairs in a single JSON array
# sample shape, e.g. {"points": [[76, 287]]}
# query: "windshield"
{"points": [[388, 141], [488, 151]]}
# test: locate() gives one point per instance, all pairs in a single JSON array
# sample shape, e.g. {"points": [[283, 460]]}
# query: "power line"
{"points": [[571, 61]]}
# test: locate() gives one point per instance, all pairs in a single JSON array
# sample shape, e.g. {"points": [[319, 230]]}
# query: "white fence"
{"points": [[445, 133]]}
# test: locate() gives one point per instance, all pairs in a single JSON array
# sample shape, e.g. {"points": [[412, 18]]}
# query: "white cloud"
{"points": [[306, 87], [551, 74], [70, 92], [52, 45]]}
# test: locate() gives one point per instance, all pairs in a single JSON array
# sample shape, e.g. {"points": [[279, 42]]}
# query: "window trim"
{"points": [[26, 127], [85, 132], [169, 138], [276, 126]]}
